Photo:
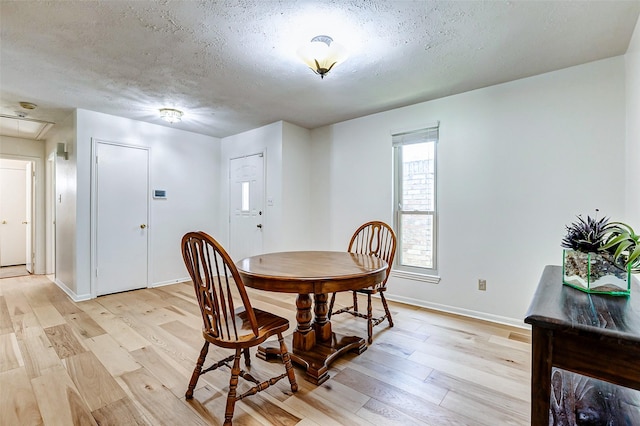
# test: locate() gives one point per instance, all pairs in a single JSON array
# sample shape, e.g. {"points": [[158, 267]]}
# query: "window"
{"points": [[245, 196], [415, 200]]}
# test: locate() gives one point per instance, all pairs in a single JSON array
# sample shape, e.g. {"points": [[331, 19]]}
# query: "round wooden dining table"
{"points": [[314, 344]]}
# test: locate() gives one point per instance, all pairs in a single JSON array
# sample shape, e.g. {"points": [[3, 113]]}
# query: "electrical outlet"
{"points": [[482, 284]]}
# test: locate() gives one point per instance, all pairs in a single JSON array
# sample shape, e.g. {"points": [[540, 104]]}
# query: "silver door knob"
{"points": [[4, 222], [143, 226], [259, 225]]}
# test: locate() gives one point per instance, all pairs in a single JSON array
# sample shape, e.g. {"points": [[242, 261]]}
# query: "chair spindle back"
{"points": [[375, 238], [216, 281]]}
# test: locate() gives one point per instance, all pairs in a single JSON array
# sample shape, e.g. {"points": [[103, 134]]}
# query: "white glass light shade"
{"points": [[171, 115], [321, 54]]}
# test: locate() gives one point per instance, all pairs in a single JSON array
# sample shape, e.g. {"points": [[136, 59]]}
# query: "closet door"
{"points": [[13, 213], [122, 212]]}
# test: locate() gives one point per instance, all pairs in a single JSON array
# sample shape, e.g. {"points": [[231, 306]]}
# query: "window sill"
{"points": [[433, 279]]}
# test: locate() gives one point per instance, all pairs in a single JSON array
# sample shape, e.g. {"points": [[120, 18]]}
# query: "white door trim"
{"points": [[30, 185], [50, 213], [94, 209]]}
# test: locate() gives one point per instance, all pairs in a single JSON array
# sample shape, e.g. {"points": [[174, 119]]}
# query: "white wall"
{"points": [[321, 172], [27, 149], [632, 62], [296, 187], [516, 162], [184, 164], [65, 202], [287, 151]]}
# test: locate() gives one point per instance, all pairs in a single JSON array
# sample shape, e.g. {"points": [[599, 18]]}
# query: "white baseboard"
{"points": [[461, 311], [435, 306], [169, 282], [71, 294]]}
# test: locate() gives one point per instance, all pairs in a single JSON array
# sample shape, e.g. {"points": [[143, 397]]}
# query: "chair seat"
{"points": [[372, 290], [268, 325]]}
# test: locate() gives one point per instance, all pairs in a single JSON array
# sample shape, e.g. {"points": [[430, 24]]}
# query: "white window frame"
{"points": [[427, 134]]}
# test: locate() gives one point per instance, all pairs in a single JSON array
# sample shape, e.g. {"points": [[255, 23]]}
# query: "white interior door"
{"points": [[246, 216], [12, 212], [122, 211], [28, 222]]}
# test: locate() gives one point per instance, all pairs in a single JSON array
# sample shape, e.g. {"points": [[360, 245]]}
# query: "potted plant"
{"points": [[595, 256]]}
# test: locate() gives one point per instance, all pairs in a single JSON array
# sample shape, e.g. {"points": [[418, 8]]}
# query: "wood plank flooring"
{"points": [[127, 359], [13, 271]]}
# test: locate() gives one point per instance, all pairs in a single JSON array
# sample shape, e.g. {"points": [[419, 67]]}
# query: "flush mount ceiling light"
{"points": [[28, 105], [321, 54], [171, 115]]}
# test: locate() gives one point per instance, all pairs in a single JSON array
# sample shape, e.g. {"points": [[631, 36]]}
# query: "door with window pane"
{"points": [[246, 190]]}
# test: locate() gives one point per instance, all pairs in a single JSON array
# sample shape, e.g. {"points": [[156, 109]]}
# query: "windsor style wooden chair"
{"points": [[218, 288], [378, 239]]}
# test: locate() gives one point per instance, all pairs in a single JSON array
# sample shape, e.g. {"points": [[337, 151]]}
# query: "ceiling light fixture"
{"points": [[171, 115], [321, 54], [28, 105]]}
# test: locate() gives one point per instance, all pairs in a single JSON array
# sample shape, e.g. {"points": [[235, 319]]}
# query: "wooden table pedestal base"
{"points": [[313, 345], [317, 360]]}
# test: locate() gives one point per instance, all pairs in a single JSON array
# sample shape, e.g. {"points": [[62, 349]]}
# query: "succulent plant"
{"points": [[586, 235], [624, 243]]}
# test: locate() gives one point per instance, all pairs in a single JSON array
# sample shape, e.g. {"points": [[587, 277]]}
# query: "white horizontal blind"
{"points": [[429, 134]]}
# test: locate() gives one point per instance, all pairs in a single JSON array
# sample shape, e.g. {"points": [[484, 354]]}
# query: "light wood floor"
{"points": [[13, 271], [127, 359]]}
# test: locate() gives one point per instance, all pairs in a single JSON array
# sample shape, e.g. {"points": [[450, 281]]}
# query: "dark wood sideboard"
{"points": [[593, 335]]}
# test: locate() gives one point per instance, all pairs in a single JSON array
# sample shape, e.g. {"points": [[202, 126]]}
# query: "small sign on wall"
{"points": [[160, 194]]}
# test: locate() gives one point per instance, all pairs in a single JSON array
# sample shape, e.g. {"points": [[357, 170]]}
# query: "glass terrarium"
{"points": [[595, 273]]}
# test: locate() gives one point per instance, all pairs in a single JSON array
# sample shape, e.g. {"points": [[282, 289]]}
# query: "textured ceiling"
{"points": [[231, 65]]}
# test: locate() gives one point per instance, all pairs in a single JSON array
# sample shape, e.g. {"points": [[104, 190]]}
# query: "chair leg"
{"points": [[247, 357], [369, 318], [197, 370], [233, 385], [355, 301], [333, 299], [286, 360], [386, 309]]}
